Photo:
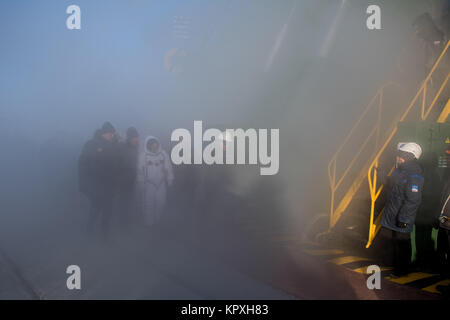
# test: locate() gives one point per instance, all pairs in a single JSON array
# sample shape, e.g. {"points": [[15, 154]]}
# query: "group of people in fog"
{"points": [[133, 180], [118, 177]]}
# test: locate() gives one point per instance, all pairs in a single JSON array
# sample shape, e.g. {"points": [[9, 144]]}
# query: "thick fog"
{"points": [[305, 67]]}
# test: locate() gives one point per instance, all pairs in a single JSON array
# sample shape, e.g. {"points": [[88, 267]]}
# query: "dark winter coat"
{"points": [[127, 166], [405, 194], [97, 167]]}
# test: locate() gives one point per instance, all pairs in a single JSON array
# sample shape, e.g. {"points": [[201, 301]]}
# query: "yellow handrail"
{"points": [[445, 112], [335, 183], [374, 191]]}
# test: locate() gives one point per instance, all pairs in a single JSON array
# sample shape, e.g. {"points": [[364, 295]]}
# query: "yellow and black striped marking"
{"points": [[421, 280]]}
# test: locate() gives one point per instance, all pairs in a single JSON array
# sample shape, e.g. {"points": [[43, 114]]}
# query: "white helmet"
{"points": [[410, 147]]}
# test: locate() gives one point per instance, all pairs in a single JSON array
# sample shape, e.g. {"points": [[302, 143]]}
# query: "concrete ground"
{"points": [[179, 261]]}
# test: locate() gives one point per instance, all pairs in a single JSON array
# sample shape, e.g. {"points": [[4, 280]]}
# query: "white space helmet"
{"points": [[410, 147]]}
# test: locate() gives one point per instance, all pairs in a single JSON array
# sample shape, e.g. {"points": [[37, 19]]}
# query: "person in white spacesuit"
{"points": [[155, 174]]}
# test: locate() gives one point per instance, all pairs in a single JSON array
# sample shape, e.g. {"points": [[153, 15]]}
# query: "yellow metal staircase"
{"points": [[347, 175]]}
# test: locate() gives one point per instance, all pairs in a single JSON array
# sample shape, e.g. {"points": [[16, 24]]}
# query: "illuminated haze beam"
{"points": [[330, 36], [279, 40]]}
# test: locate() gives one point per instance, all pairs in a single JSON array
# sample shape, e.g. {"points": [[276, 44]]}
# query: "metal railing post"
{"points": [[424, 99]]}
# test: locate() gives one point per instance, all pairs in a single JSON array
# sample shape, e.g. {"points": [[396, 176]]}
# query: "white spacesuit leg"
{"points": [[149, 206], [160, 201]]}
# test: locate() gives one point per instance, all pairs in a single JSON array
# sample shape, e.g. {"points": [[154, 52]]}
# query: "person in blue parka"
{"points": [[404, 197]]}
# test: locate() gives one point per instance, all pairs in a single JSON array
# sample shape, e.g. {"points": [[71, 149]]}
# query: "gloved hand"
{"points": [[401, 224]]}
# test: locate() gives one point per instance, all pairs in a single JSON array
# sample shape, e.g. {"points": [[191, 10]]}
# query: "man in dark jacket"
{"points": [[405, 194], [433, 38], [128, 158], [97, 176]]}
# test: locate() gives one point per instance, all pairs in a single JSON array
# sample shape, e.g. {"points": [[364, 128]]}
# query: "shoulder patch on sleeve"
{"points": [[415, 188]]}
